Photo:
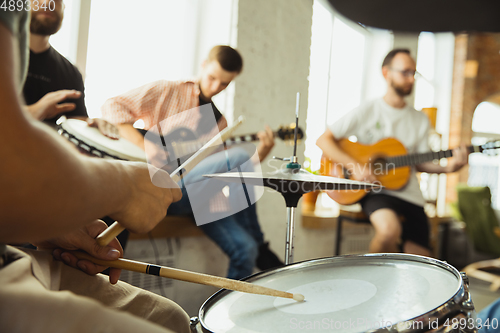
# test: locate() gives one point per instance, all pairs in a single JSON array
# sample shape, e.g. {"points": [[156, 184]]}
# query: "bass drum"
{"points": [[356, 293]]}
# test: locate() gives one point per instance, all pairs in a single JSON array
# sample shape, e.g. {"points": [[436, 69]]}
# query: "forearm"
{"points": [[47, 187], [76, 189], [331, 150], [263, 151], [431, 167], [34, 111], [128, 132]]}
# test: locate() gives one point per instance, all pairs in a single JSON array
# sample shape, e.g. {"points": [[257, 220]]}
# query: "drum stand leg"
{"points": [[291, 199], [290, 231]]}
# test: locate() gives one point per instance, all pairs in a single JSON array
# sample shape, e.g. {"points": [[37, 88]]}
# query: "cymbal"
{"points": [[293, 180]]}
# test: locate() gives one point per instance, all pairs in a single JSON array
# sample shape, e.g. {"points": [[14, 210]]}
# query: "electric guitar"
{"points": [[389, 161], [182, 142]]}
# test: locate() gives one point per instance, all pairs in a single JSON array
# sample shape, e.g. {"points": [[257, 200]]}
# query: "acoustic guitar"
{"points": [[388, 160]]}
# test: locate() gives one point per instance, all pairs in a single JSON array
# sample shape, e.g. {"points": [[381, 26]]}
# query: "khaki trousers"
{"points": [[39, 294]]}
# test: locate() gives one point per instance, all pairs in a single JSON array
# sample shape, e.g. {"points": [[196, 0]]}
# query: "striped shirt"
{"points": [[157, 101]]}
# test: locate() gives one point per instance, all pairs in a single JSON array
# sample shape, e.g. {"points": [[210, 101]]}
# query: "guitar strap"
{"points": [[202, 125]]}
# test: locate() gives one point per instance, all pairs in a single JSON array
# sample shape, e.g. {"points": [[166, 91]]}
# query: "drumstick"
{"points": [[115, 229], [183, 275]]}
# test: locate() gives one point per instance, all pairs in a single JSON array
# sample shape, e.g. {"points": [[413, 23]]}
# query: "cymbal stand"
{"points": [[291, 198]]}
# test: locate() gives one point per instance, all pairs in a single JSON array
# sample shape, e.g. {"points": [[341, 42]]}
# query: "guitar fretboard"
{"points": [[415, 159], [188, 147], [243, 138]]}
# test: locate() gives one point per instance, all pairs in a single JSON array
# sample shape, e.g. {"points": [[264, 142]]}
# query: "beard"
{"points": [[402, 90], [45, 26]]}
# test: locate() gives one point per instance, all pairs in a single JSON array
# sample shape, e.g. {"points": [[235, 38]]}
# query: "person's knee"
{"points": [[246, 253], [389, 233], [177, 319], [159, 310], [387, 226]]}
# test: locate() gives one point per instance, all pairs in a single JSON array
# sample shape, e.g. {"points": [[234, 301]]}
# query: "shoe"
{"points": [[266, 259]]}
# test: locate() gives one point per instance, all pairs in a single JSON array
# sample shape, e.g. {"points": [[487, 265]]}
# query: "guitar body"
{"points": [[373, 157]]}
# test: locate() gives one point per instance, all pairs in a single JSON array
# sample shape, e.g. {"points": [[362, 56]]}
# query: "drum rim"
{"points": [[95, 145], [312, 262]]}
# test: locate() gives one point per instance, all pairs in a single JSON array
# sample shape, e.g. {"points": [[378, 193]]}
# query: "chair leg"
{"points": [[338, 237]]}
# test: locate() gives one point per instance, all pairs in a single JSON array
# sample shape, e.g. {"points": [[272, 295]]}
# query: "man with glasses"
{"points": [[391, 116]]}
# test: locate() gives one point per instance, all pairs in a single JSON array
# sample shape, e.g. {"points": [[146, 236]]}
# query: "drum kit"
{"points": [[352, 293]]}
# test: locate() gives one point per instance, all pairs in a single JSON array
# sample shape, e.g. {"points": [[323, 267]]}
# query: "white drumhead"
{"points": [[91, 136], [350, 294]]}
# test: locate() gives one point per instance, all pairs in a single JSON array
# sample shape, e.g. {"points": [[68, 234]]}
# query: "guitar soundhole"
{"points": [[380, 166]]}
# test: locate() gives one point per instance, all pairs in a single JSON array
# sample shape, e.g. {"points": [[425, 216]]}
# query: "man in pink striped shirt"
{"points": [[239, 235]]}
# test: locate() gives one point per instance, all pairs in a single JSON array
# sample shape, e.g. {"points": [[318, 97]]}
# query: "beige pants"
{"points": [[39, 294]]}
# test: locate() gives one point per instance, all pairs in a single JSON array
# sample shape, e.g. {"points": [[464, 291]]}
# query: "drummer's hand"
{"points": [[106, 128], [362, 173], [48, 106], [147, 198], [84, 239], [266, 142]]}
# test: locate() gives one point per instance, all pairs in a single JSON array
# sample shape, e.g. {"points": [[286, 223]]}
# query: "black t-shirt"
{"points": [[204, 125], [50, 71]]}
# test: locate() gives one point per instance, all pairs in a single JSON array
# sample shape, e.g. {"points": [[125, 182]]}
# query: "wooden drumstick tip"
{"points": [[298, 297]]}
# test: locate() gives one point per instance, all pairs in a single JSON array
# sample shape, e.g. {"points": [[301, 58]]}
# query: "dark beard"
{"points": [[45, 28], [401, 91]]}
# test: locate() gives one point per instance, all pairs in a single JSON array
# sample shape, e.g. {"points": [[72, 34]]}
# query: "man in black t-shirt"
{"points": [[54, 85], [50, 72]]}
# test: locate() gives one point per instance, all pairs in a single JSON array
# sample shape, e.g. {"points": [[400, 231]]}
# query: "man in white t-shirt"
{"points": [[391, 117]]}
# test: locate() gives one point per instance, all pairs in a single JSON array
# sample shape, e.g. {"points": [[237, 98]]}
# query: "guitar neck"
{"points": [[415, 159], [188, 147], [244, 138]]}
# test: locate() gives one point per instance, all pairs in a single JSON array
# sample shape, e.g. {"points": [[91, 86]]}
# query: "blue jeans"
{"points": [[491, 314], [238, 235]]}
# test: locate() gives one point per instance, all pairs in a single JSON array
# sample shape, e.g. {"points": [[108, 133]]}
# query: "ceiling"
{"points": [[423, 15]]}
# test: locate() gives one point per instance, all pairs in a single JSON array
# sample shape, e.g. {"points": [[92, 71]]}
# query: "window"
{"points": [[335, 76], [435, 58], [65, 40], [150, 40], [485, 170], [424, 86]]}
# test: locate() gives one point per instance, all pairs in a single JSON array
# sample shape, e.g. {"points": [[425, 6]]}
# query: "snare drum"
{"points": [[360, 293], [91, 141]]}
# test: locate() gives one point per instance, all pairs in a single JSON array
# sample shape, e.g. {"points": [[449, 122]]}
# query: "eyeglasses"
{"points": [[406, 73]]}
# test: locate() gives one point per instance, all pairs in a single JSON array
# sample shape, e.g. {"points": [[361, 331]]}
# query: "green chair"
{"points": [[474, 208]]}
